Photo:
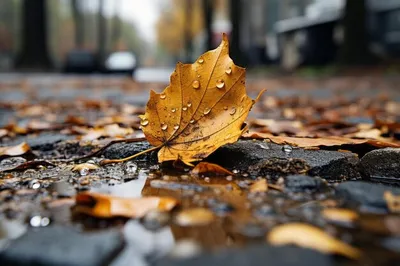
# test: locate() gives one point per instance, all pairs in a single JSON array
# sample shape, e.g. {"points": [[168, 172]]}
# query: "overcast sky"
{"points": [[144, 13]]}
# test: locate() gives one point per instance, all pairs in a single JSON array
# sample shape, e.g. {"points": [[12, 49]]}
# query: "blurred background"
{"points": [[86, 36]]}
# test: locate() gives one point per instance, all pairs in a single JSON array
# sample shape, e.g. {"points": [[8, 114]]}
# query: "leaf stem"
{"points": [[108, 161]]}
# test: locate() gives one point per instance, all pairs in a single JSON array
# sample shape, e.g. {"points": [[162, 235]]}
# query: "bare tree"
{"points": [[236, 20], [188, 31], [355, 47], [208, 11], [78, 21], [34, 47], [102, 34]]}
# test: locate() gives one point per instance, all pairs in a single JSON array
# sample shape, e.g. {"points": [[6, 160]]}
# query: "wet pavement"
{"points": [[39, 225]]}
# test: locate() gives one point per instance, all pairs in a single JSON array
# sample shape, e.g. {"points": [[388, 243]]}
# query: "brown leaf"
{"points": [[259, 186], [214, 169], [392, 201], [194, 217], [3, 133], [107, 206], [17, 150], [316, 142], [340, 215], [202, 109], [309, 236], [88, 166], [113, 130]]}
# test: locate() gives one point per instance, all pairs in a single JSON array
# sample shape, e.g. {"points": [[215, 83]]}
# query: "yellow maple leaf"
{"points": [[203, 108]]}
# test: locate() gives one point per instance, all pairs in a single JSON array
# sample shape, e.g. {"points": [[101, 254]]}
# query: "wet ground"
{"points": [[341, 192]]}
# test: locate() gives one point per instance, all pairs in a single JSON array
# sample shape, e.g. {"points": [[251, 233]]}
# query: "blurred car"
{"points": [[80, 61], [121, 62]]}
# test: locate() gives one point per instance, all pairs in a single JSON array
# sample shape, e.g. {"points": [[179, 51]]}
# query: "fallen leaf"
{"points": [[3, 133], [113, 130], [315, 142], [340, 215], [309, 236], [203, 108], [215, 169], [107, 206], [88, 166], [392, 201], [17, 150], [259, 186], [194, 217]]}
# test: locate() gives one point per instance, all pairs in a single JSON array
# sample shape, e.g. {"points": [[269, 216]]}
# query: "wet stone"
{"points": [[254, 256], [304, 183], [368, 196], [248, 155], [122, 150], [381, 163], [57, 245]]}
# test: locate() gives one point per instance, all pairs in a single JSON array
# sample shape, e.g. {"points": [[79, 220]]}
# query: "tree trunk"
{"points": [[102, 35], [236, 18], [116, 26], [34, 47], [208, 17], [78, 21], [188, 31], [355, 49]]}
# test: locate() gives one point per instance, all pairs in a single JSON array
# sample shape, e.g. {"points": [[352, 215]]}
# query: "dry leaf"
{"points": [[194, 217], [340, 215], [17, 150], [315, 142], [107, 206], [215, 169], [203, 108], [259, 186], [88, 166], [392, 201], [113, 130], [3, 133], [308, 236]]}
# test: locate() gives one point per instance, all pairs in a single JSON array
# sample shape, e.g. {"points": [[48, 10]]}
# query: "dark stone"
{"points": [[254, 256], [368, 195], [57, 245], [381, 163], [122, 150], [300, 183], [261, 158]]}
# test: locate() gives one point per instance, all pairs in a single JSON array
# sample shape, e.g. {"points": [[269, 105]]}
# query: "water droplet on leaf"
{"points": [[176, 127], [228, 71], [184, 108], [207, 111], [233, 111], [163, 96], [144, 122], [173, 110], [225, 108], [164, 127], [196, 84], [189, 104], [192, 121], [201, 61], [220, 84]]}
